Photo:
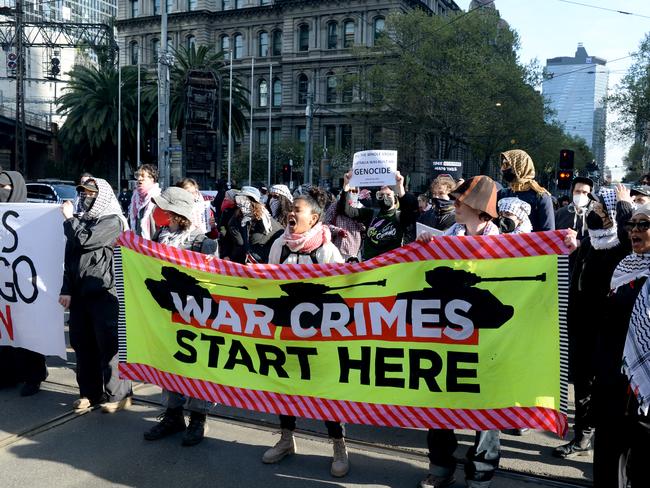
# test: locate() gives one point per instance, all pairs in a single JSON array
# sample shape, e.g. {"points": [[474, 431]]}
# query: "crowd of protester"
{"points": [[608, 232]]}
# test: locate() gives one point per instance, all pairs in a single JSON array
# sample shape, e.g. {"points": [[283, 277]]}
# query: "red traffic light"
{"points": [[566, 158], [564, 178]]}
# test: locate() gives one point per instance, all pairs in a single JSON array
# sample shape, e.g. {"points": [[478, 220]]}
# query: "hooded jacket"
{"points": [[18, 192], [89, 246]]}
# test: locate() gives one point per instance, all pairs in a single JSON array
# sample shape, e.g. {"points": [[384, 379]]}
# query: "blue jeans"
{"points": [[173, 400]]}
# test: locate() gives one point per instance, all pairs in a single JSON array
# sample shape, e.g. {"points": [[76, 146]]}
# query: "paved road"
{"points": [[44, 444]]}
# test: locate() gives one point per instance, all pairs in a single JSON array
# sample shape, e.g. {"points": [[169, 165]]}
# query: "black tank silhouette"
{"points": [[183, 284], [298, 292], [446, 284]]}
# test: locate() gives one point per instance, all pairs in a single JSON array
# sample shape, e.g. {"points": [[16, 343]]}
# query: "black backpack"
{"points": [[286, 252]]}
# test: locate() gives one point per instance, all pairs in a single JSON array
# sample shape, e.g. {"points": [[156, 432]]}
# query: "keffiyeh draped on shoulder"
{"points": [[636, 355]]}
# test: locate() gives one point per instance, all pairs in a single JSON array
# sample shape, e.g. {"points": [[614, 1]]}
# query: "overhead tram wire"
{"points": [[622, 12], [590, 66]]}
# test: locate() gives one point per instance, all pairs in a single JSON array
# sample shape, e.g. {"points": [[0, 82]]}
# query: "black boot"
{"points": [[170, 422], [195, 430], [577, 447]]}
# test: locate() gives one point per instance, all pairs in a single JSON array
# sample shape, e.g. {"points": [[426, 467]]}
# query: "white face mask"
{"points": [[580, 200]]}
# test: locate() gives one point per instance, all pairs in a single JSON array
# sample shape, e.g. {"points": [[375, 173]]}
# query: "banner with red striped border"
{"points": [[463, 332]]}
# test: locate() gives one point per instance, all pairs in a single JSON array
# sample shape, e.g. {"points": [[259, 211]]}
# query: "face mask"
{"points": [[580, 200], [4, 195], [441, 203], [87, 203], [385, 205], [508, 175], [594, 221], [506, 225], [275, 205]]}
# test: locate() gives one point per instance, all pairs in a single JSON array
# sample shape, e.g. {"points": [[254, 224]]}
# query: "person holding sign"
{"points": [[386, 230]]}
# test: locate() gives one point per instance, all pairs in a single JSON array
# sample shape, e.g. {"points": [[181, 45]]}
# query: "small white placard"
{"points": [[420, 228], [374, 168]]}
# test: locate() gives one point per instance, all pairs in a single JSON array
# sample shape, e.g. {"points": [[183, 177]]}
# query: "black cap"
{"points": [[584, 180], [88, 185]]}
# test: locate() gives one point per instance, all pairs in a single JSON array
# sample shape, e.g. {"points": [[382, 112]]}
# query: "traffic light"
{"points": [[566, 159], [564, 178], [286, 173], [55, 66], [12, 64]]}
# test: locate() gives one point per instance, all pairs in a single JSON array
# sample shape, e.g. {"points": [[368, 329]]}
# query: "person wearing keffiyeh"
{"points": [[141, 209]]}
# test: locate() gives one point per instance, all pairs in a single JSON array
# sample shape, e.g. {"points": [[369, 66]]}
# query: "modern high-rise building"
{"points": [[576, 88]]}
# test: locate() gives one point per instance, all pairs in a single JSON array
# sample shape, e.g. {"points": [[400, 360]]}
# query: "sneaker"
{"points": [[340, 462], [170, 422], [81, 404], [573, 449], [112, 407], [285, 446], [30, 389], [196, 429], [432, 481]]}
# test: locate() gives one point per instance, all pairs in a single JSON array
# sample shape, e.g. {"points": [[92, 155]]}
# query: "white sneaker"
{"points": [[285, 446], [81, 404]]}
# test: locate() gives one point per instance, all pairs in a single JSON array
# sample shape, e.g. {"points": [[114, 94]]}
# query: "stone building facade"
{"points": [[309, 44]]}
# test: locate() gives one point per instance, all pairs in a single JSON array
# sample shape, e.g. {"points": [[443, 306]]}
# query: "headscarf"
{"points": [[282, 190], [520, 209], [105, 204], [524, 168], [245, 205], [18, 192]]}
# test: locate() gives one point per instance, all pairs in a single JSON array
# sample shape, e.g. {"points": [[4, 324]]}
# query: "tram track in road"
{"points": [[383, 449]]}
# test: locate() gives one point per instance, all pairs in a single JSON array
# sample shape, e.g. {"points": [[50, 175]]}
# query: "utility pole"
{"points": [[21, 147], [163, 101], [309, 113]]}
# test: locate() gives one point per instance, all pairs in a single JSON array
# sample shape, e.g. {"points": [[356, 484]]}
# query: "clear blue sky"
{"points": [[551, 28]]}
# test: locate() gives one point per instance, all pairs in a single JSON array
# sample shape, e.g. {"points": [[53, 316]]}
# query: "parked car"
{"points": [[50, 192]]}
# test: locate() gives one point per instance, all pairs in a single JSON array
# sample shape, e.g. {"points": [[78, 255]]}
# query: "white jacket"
{"points": [[328, 253]]}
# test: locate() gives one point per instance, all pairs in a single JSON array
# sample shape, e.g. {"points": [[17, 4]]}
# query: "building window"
{"points": [[155, 49], [332, 35], [135, 8], [346, 136], [330, 137], [276, 135], [277, 43], [133, 47], [330, 91], [303, 38], [192, 5], [348, 93], [303, 87], [191, 42], [225, 45], [277, 93], [265, 2], [262, 138], [379, 28], [156, 7], [226, 4], [263, 93], [301, 134], [169, 5], [263, 40], [239, 3], [239, 46], [348, 31]]}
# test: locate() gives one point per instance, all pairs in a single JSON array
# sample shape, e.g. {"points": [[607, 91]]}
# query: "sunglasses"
{"points": [[642, 225], [380, 195]]}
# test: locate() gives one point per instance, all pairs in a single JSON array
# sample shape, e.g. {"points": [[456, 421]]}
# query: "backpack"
{"points": [[286, 252]]}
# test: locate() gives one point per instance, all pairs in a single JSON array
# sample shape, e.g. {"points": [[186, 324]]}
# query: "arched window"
{"points": [[191, 42], [155, 49], [277, 93], [225, 46], [263, 44], [156, 7], [348, 34], [330, 90], [379, 28], [263, 93], [239, 46], [303, 38], [191, 5], [135, 8], [332, 35], [133, 47], [303, 87], [277, 42]]}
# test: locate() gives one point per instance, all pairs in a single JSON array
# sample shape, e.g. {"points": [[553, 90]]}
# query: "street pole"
{"points": [[269, 95], [230, 117], [309, 114], [20, 148], [250, 131], [137, 162], [163, 101], [119, 123]]}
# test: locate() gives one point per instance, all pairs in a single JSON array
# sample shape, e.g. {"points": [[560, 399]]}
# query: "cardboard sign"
{"points": [[374, 168]]}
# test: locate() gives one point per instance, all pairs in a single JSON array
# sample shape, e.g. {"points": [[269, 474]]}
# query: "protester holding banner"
{"points": [[18, 365], [179, 205], [89, 292], [385, 231], [141, 218], [441, 214], [307, 241], [518, 170]]}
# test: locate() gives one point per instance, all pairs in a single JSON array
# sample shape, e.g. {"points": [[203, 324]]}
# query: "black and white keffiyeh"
{"points": [[520, 209], [636, 355], [631, 268]]}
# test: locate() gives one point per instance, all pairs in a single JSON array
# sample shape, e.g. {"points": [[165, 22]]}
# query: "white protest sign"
{"points": [[420, 228], [374, 168], [32, 246]]}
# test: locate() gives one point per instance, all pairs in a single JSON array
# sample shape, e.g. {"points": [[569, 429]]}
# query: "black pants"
{"points": [[18, 365], [482, 458], [334, 429], [582, 363], [93, 336]]}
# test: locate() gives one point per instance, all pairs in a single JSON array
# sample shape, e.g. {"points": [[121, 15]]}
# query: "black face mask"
{"points": [[87, 203], [594, 221], [441, 203], [384, 205], [508, 175], [506, 225]]}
